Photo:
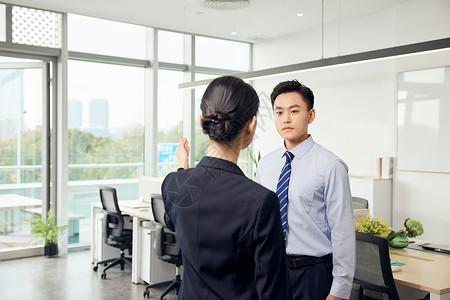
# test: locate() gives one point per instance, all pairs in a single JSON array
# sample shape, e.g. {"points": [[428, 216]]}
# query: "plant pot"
{"points": [[51, 250], [399, 242]]}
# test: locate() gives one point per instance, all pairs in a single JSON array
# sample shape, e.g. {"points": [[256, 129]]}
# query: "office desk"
{"points": [[11, 202], [423, 270], [140, 212]]}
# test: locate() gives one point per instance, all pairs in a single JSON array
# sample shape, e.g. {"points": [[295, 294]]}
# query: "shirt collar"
{"points": [[221, 164], [300, 149]]}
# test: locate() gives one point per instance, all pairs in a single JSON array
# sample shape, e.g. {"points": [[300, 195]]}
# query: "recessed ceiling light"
{"points": [[299, 14], [233, 33], [226, 4]]}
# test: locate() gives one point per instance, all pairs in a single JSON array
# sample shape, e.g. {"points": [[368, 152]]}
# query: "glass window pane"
{"points": [[20, 123], [2, 23], [20, 150], [170, 119], [170, 47], [215, 53], [105, 37], [106, 134], [36, 27]]}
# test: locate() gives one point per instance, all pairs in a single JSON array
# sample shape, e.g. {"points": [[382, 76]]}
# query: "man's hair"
{"points": [[293, 86]]}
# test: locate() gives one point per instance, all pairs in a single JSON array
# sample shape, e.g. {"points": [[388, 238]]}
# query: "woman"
{"points": [[228, 226]]}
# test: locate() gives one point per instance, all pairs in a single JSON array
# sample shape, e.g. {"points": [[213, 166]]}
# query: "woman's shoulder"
{"points": [[260, 192], [181, 176], [181, 187]]}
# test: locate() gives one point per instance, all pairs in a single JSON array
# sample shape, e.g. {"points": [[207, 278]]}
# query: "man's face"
{"points": [[292, 118]]}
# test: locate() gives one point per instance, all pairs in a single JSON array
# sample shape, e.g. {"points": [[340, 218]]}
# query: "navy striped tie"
{"points": [[282, 189]]}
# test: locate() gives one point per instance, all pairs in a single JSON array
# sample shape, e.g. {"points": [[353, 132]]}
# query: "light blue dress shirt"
{"points": [[320, 216]]}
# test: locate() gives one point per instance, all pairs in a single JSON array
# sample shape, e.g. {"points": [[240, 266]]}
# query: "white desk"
{"points": [[11, 202], [140, 212]]}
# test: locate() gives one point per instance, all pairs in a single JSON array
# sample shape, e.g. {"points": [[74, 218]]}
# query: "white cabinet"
{"points": [[103, 251], [379, 194], [153, 270]]}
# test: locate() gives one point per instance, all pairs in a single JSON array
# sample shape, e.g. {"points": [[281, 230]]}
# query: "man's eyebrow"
{"points": [[292, 106]]}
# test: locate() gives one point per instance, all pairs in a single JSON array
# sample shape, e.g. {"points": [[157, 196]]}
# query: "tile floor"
{"points": [[68, 277]]}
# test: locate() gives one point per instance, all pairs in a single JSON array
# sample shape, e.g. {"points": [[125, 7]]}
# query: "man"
{"points": [[314, 192]]}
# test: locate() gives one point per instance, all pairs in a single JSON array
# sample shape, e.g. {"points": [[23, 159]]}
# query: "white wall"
{"points": [[356, 105]]}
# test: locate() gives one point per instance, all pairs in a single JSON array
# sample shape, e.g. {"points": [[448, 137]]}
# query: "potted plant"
{"points": [[399, 239], [370, 225], [48, 230]]}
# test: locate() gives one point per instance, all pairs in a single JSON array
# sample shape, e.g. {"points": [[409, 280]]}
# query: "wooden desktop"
{"points": [[423, 270]]}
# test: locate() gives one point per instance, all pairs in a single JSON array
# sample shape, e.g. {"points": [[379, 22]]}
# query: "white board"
{"points": [[424, 120]]}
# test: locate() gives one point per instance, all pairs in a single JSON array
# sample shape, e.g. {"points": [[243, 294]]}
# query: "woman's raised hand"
{"points": [[182, 153]]}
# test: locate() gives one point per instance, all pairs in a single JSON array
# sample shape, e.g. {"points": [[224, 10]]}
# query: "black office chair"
{"points": [[373, 274], [114, 232], [166, 246], [358, 203]]}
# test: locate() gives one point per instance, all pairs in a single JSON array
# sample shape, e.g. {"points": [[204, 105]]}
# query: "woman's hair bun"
{"points": [[216, 118], [215, 125]]}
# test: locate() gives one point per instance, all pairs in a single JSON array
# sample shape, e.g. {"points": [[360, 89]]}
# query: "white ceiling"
{"points": [[264, 19]]}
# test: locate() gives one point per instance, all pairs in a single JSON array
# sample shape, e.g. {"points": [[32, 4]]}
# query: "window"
{"points": [[215, 53], [99, 36], [106, 134], [170, 119], [21, 157], [21, 124], [170, 47]]}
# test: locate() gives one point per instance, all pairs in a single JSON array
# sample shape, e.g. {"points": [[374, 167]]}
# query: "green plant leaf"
{"points": [[47, 229]]}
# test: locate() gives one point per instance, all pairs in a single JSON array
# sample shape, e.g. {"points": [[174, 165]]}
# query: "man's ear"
{"points": [[312, 115], [200, 118]]}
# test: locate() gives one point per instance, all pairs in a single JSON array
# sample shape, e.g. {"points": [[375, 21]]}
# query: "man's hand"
{"points": [[331, 297], [182, 153]]}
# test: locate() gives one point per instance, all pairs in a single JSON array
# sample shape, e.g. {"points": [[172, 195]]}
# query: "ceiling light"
{"points": [[380, 54], [233, 33], [299, 14], [226, 4]]}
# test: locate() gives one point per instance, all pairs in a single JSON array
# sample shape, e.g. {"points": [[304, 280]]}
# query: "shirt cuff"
{"points": [[341, 290]]}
